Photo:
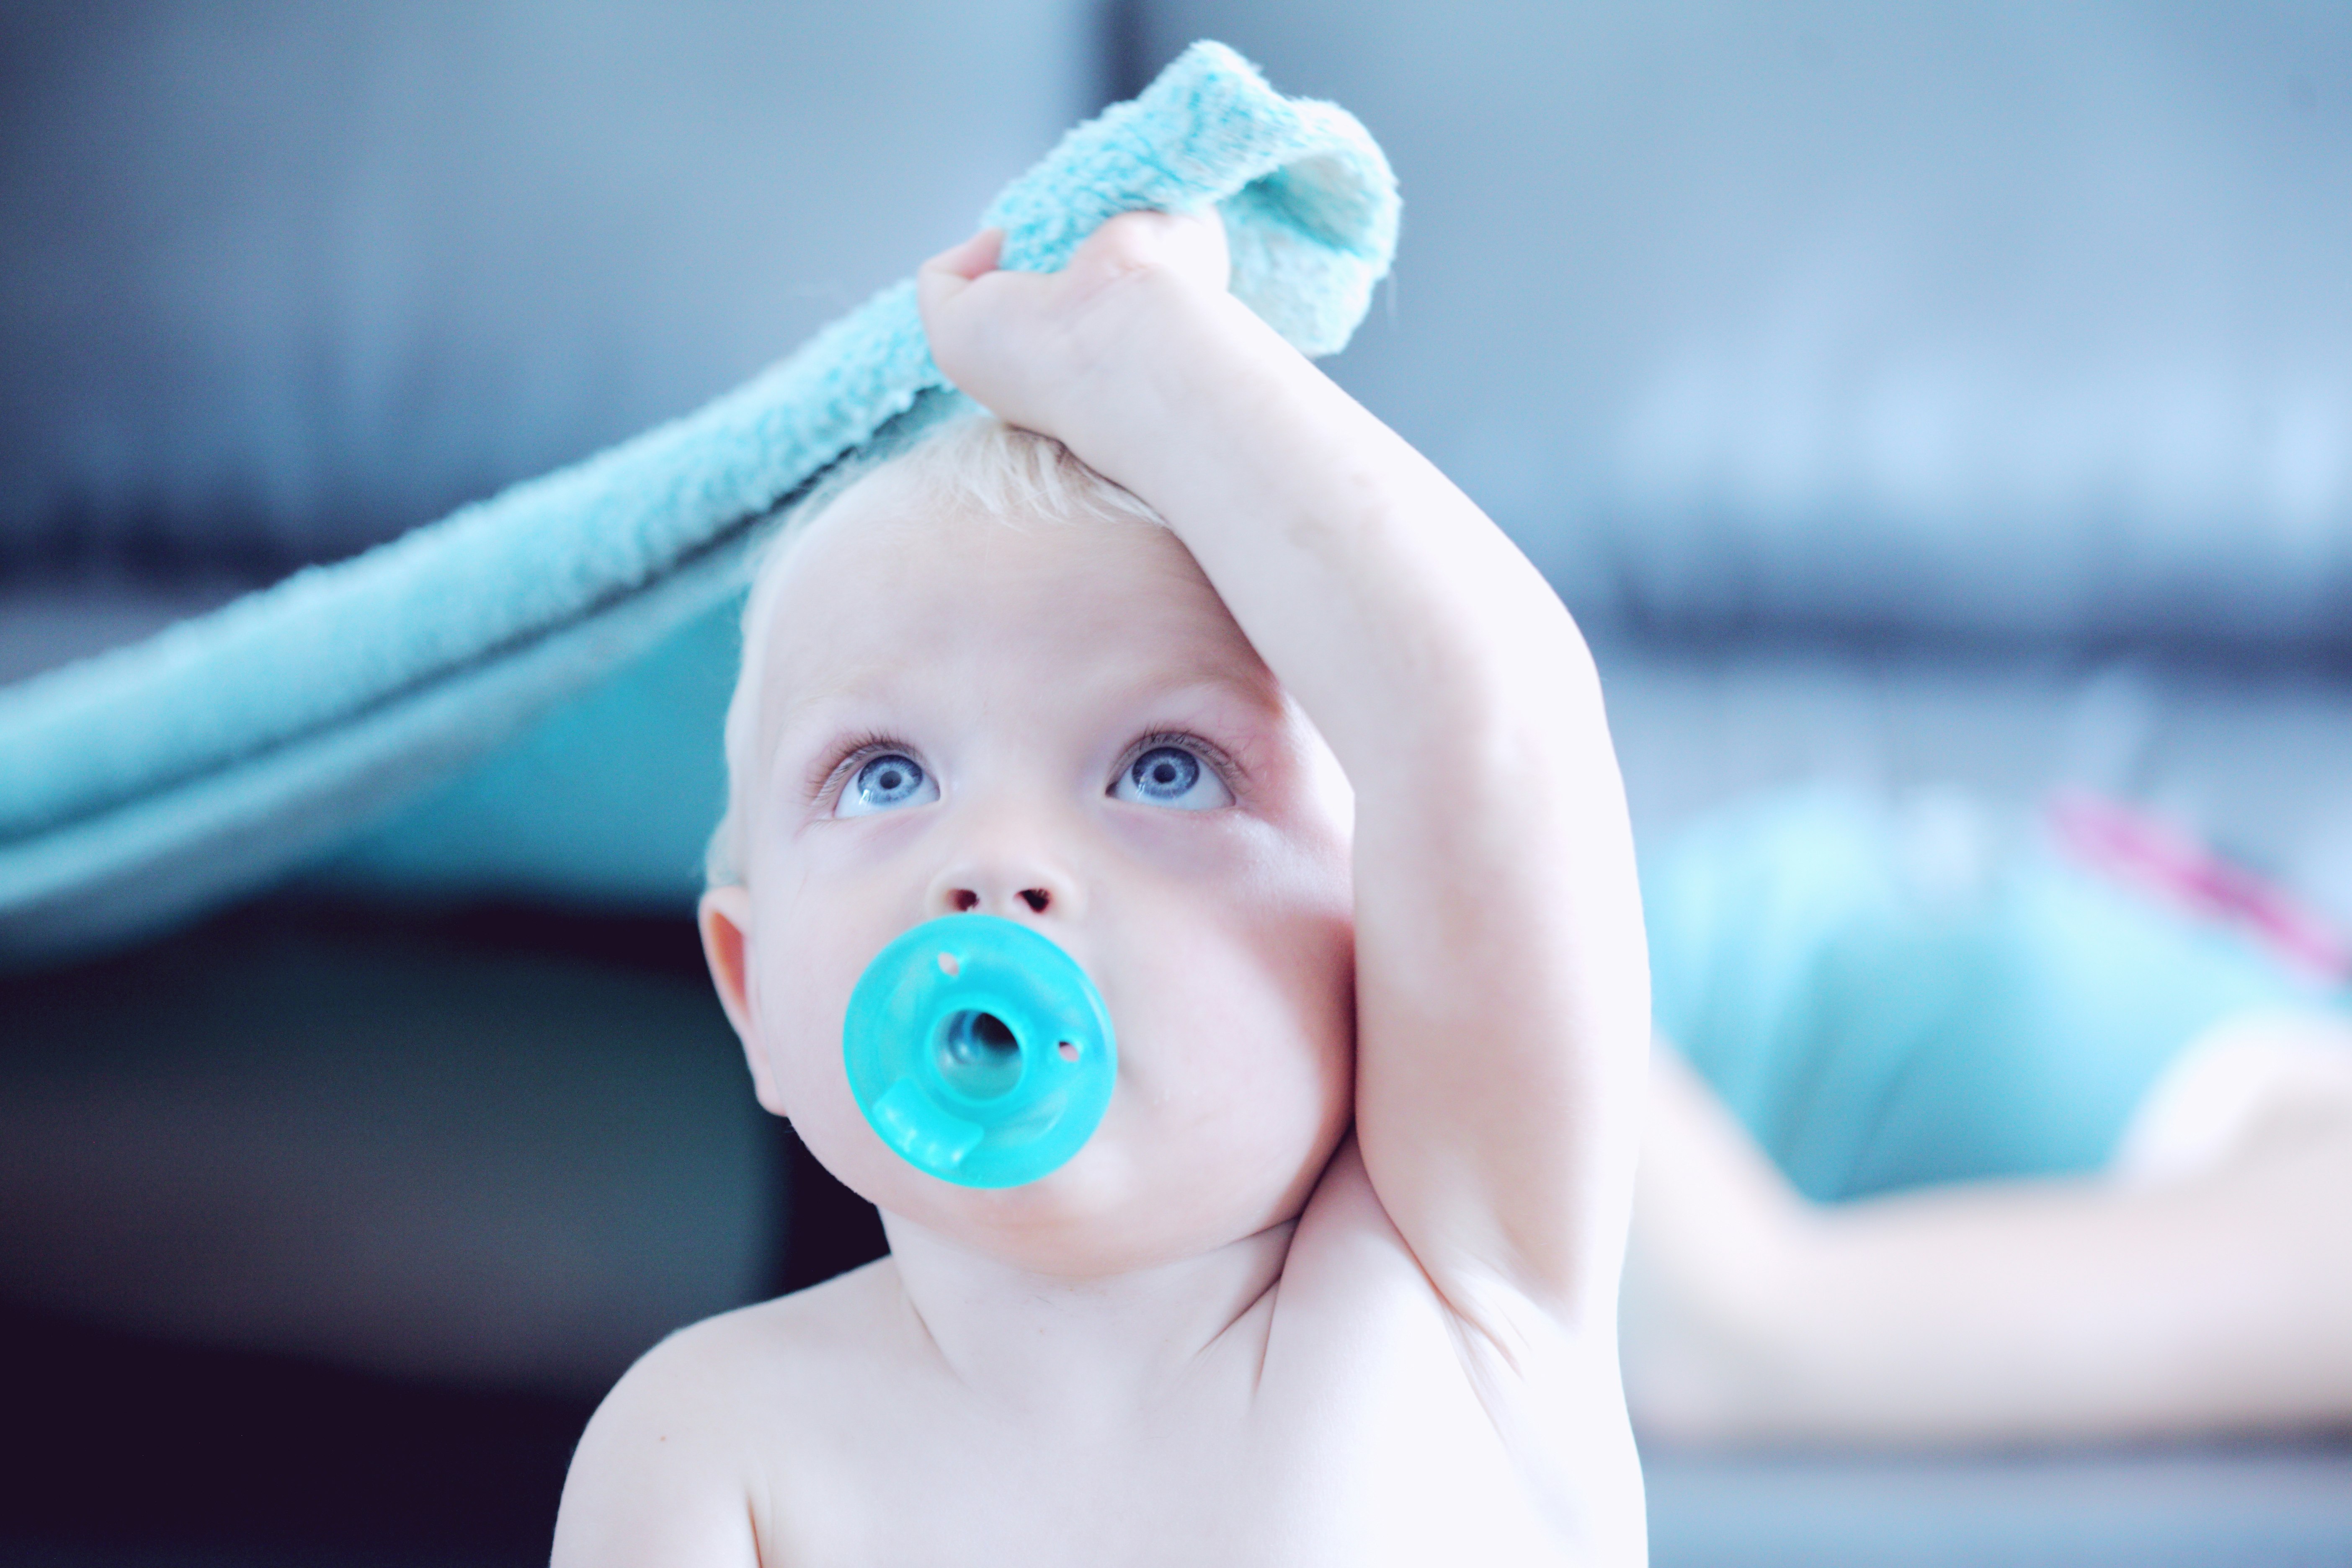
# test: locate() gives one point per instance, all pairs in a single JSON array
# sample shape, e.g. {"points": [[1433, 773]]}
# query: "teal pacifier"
{"points": [[979, 1050]]}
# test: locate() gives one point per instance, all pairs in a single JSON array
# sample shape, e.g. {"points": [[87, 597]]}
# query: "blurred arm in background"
{"points": [[2202, 1285]]}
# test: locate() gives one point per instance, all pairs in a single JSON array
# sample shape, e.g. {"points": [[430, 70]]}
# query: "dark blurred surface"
{"points": [[1947, 321], [136, 1422], [285, 279], [832, 1231], [2223, 1504], [499, 1145], [1953, 320], [124, 1448]]}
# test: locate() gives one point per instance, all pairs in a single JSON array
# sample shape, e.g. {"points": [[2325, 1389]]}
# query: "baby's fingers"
{"points": [[984, 325], [1190, 244], [971, 258], [953, 270]]}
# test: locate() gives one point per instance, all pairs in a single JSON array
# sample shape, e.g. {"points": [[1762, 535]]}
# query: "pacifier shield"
{"points": [[979, 1051]]}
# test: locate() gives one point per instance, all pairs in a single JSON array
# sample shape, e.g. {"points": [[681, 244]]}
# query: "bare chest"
{"points": [[1346, 1422]]}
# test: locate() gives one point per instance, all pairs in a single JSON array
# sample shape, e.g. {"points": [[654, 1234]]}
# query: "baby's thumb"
{"points": [[949, 272]]}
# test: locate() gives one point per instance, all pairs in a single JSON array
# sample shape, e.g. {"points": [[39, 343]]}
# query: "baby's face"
{"points": [[1059, 723]]}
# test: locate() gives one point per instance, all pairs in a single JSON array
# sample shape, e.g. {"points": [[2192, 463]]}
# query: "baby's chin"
{"points": [[1102, 1215], [1058, 1245]]}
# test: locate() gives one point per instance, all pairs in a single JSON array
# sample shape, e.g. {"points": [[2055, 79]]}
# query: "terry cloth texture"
{"points": [[147, 784], [1894, 994]]}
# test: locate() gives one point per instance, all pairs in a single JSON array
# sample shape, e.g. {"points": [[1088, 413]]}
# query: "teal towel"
{"points": [[148, 784]]}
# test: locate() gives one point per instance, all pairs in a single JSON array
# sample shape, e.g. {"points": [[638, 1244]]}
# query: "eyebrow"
{"points": [[806, 782], [789, 709], [1164, 707]]}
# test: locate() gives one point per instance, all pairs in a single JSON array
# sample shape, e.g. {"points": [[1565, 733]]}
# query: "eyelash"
{"points": [[826, 783], [1219, 761]]}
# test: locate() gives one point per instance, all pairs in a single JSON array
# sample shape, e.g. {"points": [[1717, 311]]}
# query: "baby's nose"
{"points": [[967, 899], [1021, 887]]}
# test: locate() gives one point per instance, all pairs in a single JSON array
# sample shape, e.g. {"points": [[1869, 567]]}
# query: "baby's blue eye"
{"points": [[1170, 776], [884, 783]]}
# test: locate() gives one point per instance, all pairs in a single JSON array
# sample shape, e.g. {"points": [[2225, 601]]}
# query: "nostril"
{"points": [[1037, 899], [966, 900]]}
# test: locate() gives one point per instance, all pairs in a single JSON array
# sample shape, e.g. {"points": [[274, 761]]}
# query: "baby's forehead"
{"points": [[892, 570]]}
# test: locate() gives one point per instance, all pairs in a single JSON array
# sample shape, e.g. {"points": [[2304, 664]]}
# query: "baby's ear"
{"points": [[725, 918]]}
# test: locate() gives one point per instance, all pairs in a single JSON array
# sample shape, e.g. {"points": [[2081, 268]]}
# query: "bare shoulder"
{"points": [[679, 1465]]}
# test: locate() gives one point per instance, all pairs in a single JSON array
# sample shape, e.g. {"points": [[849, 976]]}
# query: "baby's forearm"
{"points": [[1505, 1003]]}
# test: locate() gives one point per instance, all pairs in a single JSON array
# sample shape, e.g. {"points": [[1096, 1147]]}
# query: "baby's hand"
{"points": [[1033, 346]]}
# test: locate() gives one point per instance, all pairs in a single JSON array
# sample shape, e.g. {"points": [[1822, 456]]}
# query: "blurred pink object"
{"points": [[2169, 860]]}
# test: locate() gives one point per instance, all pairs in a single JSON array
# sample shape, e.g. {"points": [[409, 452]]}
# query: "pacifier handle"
{"points": [[979, 1051]]}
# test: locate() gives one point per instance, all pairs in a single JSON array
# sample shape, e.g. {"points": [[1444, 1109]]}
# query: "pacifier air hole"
{"points": [[979, 1056]]}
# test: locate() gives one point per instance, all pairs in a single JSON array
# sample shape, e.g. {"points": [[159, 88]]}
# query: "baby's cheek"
{"points": [[807, 967], [813, 1091], [1297, 922], [1274, 1053], [1278, 1008]]}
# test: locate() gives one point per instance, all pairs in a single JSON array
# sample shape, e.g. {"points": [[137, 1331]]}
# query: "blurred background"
{"points": [[1948, 395]]}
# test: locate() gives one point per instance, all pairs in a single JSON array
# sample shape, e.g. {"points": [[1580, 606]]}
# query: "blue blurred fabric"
{"points": [[1890, 994], [606, 802], [155, 780]]}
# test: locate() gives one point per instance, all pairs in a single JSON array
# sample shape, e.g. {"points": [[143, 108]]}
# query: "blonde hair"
{"points": [[974, 463]]}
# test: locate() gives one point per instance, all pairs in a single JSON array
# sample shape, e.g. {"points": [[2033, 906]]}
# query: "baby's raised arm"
{"points": [[1501, 982]]}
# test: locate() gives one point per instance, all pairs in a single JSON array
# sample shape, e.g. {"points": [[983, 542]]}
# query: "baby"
{"points": [[1306, 766]]}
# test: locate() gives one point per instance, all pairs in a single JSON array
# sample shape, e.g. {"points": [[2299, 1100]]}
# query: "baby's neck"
{"points": [[1077, 1347]]}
